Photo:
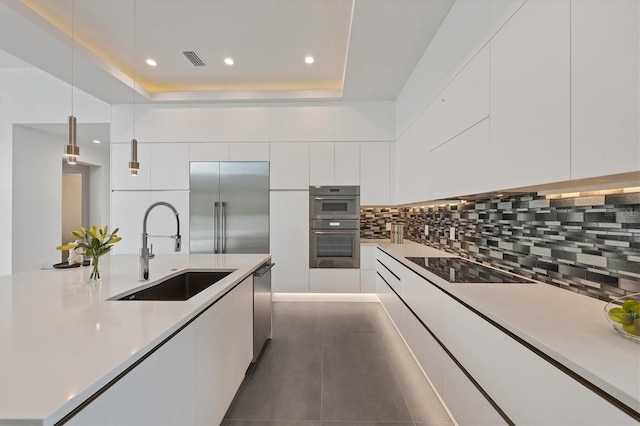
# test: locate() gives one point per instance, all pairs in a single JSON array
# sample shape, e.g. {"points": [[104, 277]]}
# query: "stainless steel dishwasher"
{"points": [[261, 308]]}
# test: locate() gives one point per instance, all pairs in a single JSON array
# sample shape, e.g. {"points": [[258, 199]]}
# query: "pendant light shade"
{"points": [[134, 166], [73, 151]]}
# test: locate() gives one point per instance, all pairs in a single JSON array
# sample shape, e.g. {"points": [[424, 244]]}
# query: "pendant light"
{"points": [[134, 166], [72, 151]]}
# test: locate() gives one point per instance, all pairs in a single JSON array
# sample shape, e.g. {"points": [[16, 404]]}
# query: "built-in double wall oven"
{"points": [[334, 226]]}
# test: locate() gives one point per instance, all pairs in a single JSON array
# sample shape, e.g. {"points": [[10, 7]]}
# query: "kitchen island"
{"points": [[63, 342], [532, 353]]}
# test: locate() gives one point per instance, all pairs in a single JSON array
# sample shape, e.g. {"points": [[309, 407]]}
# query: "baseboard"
{"points": [[325, 297]]}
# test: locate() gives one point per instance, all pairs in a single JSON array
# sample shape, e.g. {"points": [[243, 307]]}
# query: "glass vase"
{"points": [[95, 269]]}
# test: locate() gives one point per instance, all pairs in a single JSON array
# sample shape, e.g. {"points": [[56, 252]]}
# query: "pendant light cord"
{"points": [[134, 69], [72, 48]]}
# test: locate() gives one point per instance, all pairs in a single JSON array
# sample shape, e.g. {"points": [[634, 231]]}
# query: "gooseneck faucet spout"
{"points": [[145, 253]]}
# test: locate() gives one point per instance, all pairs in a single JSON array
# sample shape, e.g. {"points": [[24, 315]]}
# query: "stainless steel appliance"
{"points": [[261, 308], [334, 202], [334, 227], [229, 207]]}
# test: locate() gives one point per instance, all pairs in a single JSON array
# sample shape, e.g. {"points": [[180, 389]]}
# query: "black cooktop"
{"points": [[458, 270]]}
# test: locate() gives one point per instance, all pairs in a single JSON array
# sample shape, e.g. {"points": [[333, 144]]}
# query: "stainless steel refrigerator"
{"points": [[229, 207]]}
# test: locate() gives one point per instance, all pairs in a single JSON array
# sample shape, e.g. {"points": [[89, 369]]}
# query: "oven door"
{"points": [[334, 244], [334, 207]]}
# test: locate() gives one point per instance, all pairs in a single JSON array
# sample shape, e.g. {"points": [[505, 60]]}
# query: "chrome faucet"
{"points": [[145, 253]]}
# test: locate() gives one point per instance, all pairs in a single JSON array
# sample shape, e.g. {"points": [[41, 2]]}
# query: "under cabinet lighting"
{"points": [[627, 190]]}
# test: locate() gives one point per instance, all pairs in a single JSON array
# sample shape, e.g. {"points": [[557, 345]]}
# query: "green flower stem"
{"points": [[95, 271]]}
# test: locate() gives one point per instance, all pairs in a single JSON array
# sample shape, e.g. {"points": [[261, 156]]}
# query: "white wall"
{"points": [[37, 200], [28, 96]]}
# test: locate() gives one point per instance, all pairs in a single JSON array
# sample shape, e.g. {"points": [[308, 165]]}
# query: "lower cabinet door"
{"points": [[465, 402], [158, 391], [224, 348]]}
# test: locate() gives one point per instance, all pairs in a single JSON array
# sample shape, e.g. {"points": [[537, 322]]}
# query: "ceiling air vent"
{"points": [[193, 57]]}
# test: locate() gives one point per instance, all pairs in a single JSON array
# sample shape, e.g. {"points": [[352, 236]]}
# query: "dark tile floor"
{"points": [[335, 364]]}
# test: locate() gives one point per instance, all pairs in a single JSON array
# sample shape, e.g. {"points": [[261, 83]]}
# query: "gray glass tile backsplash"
{"points": [[589, 245]]}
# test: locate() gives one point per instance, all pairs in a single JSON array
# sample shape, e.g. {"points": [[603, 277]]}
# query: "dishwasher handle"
{"points": [[263, 269]]}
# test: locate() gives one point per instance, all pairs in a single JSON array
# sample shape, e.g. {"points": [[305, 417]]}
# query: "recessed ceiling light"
{"points": [[308, 59], [151, 62], [96, 141], [228, 61]]}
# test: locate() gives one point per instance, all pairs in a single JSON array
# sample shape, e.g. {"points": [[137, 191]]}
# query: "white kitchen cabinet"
{"points": [[375, 173], [289, 241], [367, 281], [465, 402], [530, 96], [190, 379], [243, 329], [510, 373], [162, 123], [347, 163], [605, 115], [158, 391], [127, 212], [367, 268], [469, 151], [233, 124], [289, 165], [209, 151], [169, 166], [223, 351], [411, 183], [334, 280], [321, 163], [504, 368], [368, 255], [162, 221], [389, 300], [121, 178], [249, 151], [461, 104], [425, 349]]}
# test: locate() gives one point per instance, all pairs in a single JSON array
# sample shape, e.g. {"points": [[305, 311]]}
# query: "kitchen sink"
{"points": [[180, 287]]}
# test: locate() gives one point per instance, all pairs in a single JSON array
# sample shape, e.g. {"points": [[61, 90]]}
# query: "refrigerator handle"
{"points": [[215, 227], [224, 226]]}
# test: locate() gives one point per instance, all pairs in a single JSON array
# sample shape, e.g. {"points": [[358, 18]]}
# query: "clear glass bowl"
{"points": [[623, 314]]}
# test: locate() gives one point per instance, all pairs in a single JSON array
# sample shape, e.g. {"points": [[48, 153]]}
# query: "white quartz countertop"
{"points": [[568, 327], [61, 339]]}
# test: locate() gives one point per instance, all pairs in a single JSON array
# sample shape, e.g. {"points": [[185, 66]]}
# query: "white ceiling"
{"points": [[363, 49]]}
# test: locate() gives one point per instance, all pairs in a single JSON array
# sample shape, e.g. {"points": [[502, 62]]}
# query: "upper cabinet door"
{"points": [[604, 87], [289, 165], [462, 104], [375, 174], [169, 165], [347, 163], [121, 175], [321, 163], [529, 93]]}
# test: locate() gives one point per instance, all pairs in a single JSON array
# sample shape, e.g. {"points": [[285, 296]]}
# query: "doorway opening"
{"points": [[76, 201]]}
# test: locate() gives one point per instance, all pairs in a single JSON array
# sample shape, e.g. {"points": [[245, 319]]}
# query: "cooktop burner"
{"points": [[458, 270]]}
